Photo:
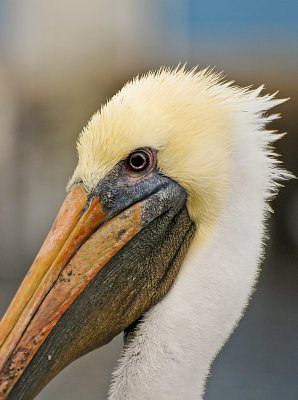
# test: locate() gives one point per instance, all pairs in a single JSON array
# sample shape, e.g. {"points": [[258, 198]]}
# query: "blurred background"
{"points": [[59, 60]]}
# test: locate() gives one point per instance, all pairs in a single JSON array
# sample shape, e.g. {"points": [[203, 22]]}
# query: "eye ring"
{"points": [[139, 161]]}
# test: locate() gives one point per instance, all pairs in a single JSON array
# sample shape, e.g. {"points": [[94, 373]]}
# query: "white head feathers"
{"points": [[189, 117]]}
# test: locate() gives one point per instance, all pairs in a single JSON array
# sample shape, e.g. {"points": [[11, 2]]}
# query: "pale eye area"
{"points": [[138, 161], [141, 160]]}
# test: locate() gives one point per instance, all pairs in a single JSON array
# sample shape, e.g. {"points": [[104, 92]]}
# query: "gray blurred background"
{"points": [[59, 60]]}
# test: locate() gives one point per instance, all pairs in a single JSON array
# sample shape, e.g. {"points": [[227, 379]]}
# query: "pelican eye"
{"points": [[139, 160]]}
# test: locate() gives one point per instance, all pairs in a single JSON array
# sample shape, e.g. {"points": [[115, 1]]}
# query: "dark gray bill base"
{"points": [[134, 280]]}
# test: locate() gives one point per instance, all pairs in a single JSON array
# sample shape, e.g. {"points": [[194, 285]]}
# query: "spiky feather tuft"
{"points": [[192, 119]]}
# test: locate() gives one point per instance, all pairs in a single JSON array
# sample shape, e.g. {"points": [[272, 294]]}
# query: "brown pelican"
{"points": [[160, 236]]}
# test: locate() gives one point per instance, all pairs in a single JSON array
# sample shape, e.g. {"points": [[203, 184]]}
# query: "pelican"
{"points": [[160, 237]]}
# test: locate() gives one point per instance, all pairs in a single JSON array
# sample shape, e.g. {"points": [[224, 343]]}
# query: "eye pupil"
{"points": [[138, 161]]}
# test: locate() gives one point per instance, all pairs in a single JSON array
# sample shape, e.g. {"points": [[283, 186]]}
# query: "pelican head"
{"points": [[160, 236]]}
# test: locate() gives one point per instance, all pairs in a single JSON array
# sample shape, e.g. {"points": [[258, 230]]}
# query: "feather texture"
{"points": [[211, 138]]}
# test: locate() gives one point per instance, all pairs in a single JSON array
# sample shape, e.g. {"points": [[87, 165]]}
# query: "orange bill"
{"points": [[53, 282]]}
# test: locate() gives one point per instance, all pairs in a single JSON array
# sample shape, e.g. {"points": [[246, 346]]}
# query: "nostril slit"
{"points": [[121, 234]]}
